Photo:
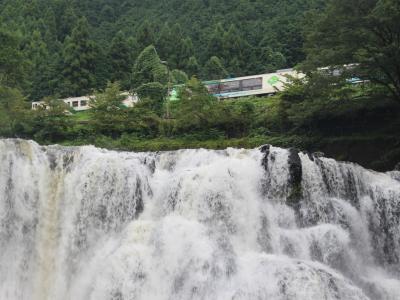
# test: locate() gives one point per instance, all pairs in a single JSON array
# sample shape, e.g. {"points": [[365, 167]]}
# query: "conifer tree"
{"points": [[48, 28], [233, 50], [214, 69], [79, 61], [272, 60], [67, 21], [192, 68], [12, 62], [40, 68], [120, 60], [166, 43], [185, 53], [363, 33], [145, 35], [148, 68], [179, 77], [215, 43]]}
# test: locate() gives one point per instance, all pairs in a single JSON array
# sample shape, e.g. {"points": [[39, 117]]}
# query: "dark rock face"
{"points": [[318, 154], [295, 169], [397, 167], [139, 207], [265, 149], [295, 177]]}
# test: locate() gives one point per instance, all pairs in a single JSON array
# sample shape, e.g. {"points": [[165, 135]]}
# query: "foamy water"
{"points": [[84, 223]]}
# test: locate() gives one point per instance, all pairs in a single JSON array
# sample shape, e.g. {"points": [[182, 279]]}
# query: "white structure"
{"points": [[83, 103], [78, 103], [263, 84]]}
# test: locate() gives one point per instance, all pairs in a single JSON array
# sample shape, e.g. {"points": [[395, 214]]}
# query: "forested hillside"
{"points": [[50, 49], [71, 47]]}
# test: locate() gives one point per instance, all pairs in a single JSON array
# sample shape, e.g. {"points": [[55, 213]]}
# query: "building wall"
{"points": [[83, 103]]}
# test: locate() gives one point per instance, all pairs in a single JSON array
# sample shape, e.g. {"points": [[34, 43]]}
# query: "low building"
{"points": [[83, 103], [254, 85]]}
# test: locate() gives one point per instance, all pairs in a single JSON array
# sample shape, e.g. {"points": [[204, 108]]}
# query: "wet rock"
{"points": [[318, 154], [295, 177], [397, 167], [310, 156], [138, 198], [266, 150], [151, 164], [52, 160]]}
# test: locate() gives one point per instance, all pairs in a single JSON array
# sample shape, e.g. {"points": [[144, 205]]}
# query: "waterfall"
{"points": [[82, 223]]}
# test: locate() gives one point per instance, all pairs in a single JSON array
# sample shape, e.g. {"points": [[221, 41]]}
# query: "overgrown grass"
{"points": [[81, 116], [132, 143]]}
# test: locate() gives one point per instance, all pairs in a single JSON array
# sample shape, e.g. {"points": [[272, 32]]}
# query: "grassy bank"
{"points": [[375, 152]]}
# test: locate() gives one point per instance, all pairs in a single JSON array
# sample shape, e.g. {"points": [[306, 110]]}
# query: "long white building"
{"points": [[83, 103], [262, 84]]}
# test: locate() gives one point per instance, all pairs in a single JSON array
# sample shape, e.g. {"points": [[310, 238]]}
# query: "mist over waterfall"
{"points": [[83, 223]]}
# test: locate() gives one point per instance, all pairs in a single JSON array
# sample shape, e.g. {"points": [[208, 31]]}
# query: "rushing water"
{"points": [[83, 223]]}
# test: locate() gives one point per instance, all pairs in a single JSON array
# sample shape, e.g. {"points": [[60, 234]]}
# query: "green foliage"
{"points": [[185, 34], [362, 32], [79, 61], [12, 63], [272, 60], [196, 108], [15, 113], [108, 116], [152, 96], [41, 70], [148, 68], [145, 34], [179, 77], [119, 58], [192, 67], [214, 69], [50, 123], [72, 47]]}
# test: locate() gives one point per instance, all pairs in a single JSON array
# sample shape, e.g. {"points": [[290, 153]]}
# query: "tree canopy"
{"points": [[72, 47], [359, 32]]}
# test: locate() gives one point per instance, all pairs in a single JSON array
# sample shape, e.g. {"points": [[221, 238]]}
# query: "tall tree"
{"points": [[214, 69], [166, 43], [68, 19], [12, 62], [79, 61], [40, 73], [186, 51], [109, 118], [233, 50], [15, 113], [215, 43], [271, 60], [119, 57], [192, 68], [145, 34], [148, 68], [357, 31]]}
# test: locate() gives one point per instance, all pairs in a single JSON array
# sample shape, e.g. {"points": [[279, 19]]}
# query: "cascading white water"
{"points": [[84, 223]]}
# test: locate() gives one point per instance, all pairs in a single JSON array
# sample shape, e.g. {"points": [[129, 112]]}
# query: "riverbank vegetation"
{"points": [[48, 58]]}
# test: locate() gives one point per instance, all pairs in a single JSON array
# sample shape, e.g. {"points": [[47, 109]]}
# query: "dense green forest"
{"points": [[104, 37], [57, 48]]}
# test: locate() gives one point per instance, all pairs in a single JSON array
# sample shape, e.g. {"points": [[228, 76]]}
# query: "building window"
{"points": [[252, 84], [230, 86], [83, 102], [75, 103], [213, 88]]}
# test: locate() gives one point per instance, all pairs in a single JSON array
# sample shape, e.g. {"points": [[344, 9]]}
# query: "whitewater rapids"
{"points": [[81, 223]]}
